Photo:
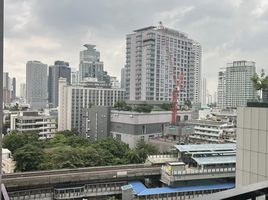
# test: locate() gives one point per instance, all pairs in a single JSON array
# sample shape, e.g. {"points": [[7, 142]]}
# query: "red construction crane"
{"points": [[177, 83]]}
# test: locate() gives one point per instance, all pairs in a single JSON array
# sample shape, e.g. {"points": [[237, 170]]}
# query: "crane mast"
{"points": [[177, 83]]}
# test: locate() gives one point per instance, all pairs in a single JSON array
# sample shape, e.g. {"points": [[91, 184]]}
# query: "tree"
{"points": [[144, 149], [122, 105], [188, 103], [260, 82], [28, 158], [146, 108], [166, 106]]}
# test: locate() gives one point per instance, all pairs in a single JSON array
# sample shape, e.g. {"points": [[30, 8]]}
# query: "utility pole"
{"points": [[1, 85]]}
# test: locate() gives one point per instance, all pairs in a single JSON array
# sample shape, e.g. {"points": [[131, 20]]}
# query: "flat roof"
{"points": [[205, 147], [141, 190], [176, 163], [215, 160]]}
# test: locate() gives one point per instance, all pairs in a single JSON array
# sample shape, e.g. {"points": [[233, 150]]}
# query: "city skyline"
{"points": [[220, 27]]}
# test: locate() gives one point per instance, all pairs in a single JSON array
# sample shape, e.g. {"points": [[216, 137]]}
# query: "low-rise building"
{"points": [[210, 131], [44, 125], [130, 127], [8, 164]]}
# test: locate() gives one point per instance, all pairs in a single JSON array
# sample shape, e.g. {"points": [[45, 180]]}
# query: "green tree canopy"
{"points": [[146, 108]]}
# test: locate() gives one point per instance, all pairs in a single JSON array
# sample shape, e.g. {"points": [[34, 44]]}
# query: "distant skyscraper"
{"points": [[221, 89], [114, 82], [204, 92], [239, 87], [59, 69], [148, 74], [5, 80], [23, 91], [123, 84], [36, 84], [90, 64], [197, 50], [13, 93], [74, 76]]}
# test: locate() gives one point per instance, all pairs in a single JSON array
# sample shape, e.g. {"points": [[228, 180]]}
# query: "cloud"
{"points": [[50, 30]]}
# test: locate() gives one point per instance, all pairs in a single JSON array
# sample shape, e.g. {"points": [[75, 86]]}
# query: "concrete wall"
{"points": [[252, 145]]}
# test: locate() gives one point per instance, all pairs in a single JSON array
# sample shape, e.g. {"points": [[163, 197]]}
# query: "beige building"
{"points": [[252, 148], [8, 165]]}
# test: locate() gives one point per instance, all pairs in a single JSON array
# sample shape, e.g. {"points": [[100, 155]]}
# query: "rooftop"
{"points": [[215, 160], [141, 190], [205, 147]]}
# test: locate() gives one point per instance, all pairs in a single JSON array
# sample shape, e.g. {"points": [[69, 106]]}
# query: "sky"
{"points": [[49, 30]]}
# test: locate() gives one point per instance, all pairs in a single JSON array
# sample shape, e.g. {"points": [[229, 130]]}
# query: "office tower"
{"points": [[148, 71], [114, 82], [59, 69], [74, 98], [13, 92], [123, 84], [90, 64], [221, 89], [197, 50], [23, 91], [74, 76], [6, 80], [239, 87], [252, 142], [204, 92], [36, 84], [215, 98]]}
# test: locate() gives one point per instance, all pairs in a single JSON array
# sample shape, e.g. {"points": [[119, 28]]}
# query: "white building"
{"points": [[8, 164], [221, 89], [197, 49], [130, 127], [114, 82], [44, 125], [148, 71], [209, 131], [36, 84], [23, 91], [74, 98], [239, 87], [252, 142]]}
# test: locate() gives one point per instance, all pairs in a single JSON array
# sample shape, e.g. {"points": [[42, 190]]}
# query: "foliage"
{"points": [[68, 150], [188, 103], [122, 105], [28, 157], [146, 108], [260, 82], [166, 106]]}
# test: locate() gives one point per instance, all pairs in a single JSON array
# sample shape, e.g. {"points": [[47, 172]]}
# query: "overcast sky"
{"points": [[49, 30]]}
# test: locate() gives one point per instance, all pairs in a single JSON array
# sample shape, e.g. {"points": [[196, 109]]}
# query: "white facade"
{"points": [[44, 125], [221, 89], [74, 98], [197, 49], [252, 140], [239, 86], [204, 92], [8, 164], [36, 84], [209, 131], [114, 82], [148, 73], [23, 91]]}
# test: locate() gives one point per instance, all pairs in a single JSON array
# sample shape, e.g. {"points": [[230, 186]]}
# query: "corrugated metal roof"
{"points": [[215, 160], [205, 147], [137, 187]]}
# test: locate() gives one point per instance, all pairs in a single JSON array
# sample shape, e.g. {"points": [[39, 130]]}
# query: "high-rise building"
{"points": [[74, 76], [23, 91], [36, 84], [59, 69], [204, 92], [13, 92], [197, 50], [114, 82], [123, 84], [148, 71], [90, 64], [221, 89], [6, 80], [239, 86], [73, 99]]}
